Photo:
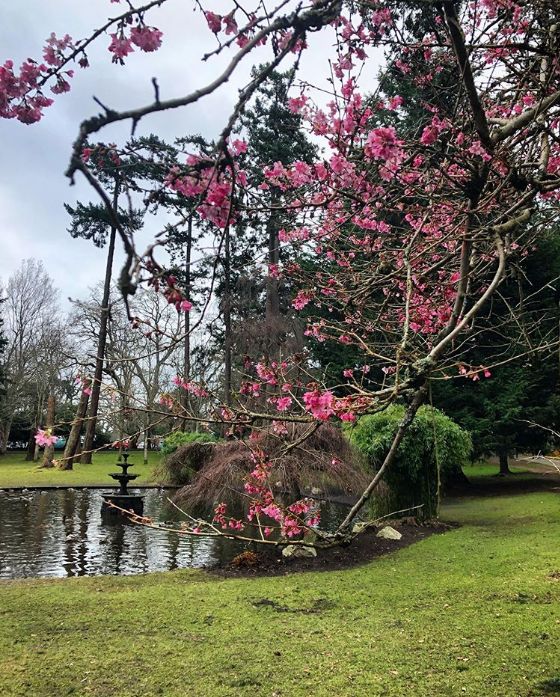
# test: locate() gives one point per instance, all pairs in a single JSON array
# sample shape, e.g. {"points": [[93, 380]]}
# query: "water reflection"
{"points": [[60, 533]]}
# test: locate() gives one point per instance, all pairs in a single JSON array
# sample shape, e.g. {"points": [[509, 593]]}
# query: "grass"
{"points": [[469, 612], [14, 471], [488, 469]]}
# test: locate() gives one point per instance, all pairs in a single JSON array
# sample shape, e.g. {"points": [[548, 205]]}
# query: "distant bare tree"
{"points": [[29, 312], [138, 364]]}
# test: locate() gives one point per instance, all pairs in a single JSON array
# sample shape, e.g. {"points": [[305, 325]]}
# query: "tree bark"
{"points": [[185, 399], [5, 436], [272, 307], [49, 450], [30, 455], [504, 462], [227, 319], [102, 340], [73, 441], [146, 439]]}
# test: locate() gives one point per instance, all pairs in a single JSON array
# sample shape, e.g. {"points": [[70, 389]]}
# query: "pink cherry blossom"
{"points": [[214, 21], [301, 300], [45, 438], [283, 403], [382, 144], [120, 47], [146, 38], [320, 404]]}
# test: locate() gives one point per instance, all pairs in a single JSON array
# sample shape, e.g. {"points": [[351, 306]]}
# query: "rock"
{"points": [[358, 528], [389, 533], [295, 551]]}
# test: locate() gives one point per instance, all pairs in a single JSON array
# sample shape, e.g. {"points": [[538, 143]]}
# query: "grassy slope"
{"points": [[14, 471], [468, 612]]}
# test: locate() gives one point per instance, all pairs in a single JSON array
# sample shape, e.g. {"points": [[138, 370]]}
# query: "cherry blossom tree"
{"points": [[412, 212]]}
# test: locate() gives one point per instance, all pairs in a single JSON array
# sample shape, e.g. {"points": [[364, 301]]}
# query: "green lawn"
{"points": [[488, 469], [471, 612], [14, 471]]}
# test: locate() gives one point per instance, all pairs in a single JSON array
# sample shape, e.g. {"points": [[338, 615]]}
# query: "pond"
{"points": [[60, 533]]}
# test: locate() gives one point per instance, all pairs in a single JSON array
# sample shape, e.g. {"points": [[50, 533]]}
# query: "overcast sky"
{"points": [[33, 188]]}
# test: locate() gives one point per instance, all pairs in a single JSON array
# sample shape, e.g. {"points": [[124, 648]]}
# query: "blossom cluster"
{"points": [[45, 437], [190, 387], [211, 182], [145, 38], [168, 286], [22, 91], [85, 384], [291, 521]]}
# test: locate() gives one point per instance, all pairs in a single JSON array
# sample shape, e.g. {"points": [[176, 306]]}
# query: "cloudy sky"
{"points": [[33, 188]]}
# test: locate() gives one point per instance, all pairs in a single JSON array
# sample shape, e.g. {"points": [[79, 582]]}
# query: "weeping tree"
{"points": [[321, 461]]}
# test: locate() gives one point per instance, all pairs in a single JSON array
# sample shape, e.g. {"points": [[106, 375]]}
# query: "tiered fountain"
{"points": [[122, 499]]}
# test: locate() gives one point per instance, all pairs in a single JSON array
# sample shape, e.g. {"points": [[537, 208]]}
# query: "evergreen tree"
{"points": [[255, 319], [274, 134], [501, 411], [3, 376]]}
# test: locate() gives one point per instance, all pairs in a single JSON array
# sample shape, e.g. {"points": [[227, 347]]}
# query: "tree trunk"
{"points": [[185, 399], [49, 450], [227, 319], [410, 413], [96, 384], [30, 455], [504, 463], [5, 436], [272, 306], [73, 441], [146, 437]]}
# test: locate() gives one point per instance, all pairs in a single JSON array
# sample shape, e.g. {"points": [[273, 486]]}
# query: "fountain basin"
{"points": [[130, 502]]}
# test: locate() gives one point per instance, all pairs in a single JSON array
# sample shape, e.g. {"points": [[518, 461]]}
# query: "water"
{"points": [[60, 533]]}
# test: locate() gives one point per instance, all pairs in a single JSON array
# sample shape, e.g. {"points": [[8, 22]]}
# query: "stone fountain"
{"points": [[123, 498]]}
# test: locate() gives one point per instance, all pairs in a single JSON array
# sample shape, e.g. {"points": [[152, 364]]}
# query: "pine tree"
{"points": [[274, 133], [3, 376], [94, 222]]}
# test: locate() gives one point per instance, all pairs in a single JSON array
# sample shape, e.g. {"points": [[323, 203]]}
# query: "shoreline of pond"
{"points": [[60, 532], [79, 487]]}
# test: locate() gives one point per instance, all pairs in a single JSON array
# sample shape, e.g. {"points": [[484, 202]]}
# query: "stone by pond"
{"points": [[60, 533]]}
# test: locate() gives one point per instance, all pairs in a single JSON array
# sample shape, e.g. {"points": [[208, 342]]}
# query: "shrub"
{"points": [[177, 438], [183, 454], [179, 467], [434, 450]]}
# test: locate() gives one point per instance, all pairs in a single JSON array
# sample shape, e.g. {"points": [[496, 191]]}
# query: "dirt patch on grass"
{"points": [[268, 561]]}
